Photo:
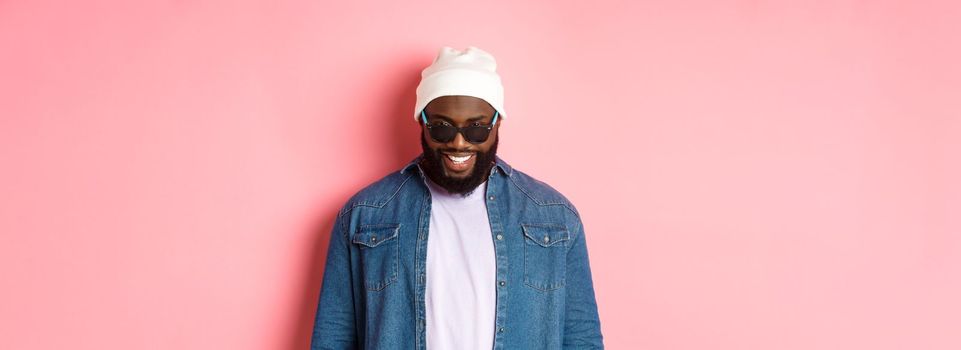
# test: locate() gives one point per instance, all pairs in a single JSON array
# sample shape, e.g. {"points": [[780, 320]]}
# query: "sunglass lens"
{"points": [[443, 133], [476, 134]]}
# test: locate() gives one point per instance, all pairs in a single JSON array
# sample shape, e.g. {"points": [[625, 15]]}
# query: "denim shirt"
{"points": [[372, 296]]}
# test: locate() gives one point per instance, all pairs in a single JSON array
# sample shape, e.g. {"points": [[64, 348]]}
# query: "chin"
{"points": [[459, 176]]}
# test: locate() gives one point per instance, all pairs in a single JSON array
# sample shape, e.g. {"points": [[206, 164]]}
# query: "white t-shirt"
{"points": [[461, 272]]}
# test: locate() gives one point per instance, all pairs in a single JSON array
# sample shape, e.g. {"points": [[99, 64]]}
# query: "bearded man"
{"points": [[458, 250]]}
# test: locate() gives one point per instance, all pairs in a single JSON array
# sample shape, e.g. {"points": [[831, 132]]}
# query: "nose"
{"points": [[459, 142]]}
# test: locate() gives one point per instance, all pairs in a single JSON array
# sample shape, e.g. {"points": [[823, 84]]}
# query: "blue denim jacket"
{"points": [[372, 295]]}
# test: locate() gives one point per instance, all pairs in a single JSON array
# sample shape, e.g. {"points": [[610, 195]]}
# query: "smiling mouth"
{"points": [[459, 164], [459, 159]]}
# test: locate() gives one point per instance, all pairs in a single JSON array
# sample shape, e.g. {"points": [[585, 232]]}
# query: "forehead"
{"points": [[459, 106]]}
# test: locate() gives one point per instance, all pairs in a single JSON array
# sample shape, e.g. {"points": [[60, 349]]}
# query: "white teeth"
{"points": [[456, 159]]}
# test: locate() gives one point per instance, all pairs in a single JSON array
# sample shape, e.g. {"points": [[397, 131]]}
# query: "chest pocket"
{"points": [[379, 252], [545, 255]]}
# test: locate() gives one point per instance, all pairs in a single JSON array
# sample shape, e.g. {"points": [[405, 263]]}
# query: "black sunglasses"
{"points": [[444, 133]]}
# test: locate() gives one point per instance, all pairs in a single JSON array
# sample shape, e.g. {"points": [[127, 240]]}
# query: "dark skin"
{"points": [[460, 111]]}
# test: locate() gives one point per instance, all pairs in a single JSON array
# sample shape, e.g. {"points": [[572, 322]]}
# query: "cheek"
{"points": [[486, 146], [434, 146], [427, 140]]}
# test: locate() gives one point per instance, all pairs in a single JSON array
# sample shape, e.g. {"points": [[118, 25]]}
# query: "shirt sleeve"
{"points": [[582, 327], [335, 323]]}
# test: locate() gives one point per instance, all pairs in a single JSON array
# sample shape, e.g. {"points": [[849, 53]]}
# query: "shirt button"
{"points": [[500, 238], [491, 197], [547, 239], [502, 283], [501, 330]]}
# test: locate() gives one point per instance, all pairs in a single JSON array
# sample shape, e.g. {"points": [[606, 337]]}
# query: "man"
{"points": [[458, 250]]}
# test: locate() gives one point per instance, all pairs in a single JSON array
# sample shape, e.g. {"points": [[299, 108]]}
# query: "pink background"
{"points": [[752, 175]]}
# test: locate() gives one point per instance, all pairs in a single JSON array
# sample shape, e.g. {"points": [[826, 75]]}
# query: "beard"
{"points": [[433, 165]]}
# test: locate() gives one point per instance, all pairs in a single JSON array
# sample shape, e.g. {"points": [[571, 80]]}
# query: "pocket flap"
{"points": [[546, 235], [372, 235]]}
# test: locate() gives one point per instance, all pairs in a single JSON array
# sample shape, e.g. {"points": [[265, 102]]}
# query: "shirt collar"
{"points": [[498, 163]]}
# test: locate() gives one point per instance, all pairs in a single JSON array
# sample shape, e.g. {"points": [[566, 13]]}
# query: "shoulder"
{"points": [[540, 192], [378, 193]]}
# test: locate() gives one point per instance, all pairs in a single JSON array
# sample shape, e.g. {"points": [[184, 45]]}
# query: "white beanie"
{"points": [[469, 73]]}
